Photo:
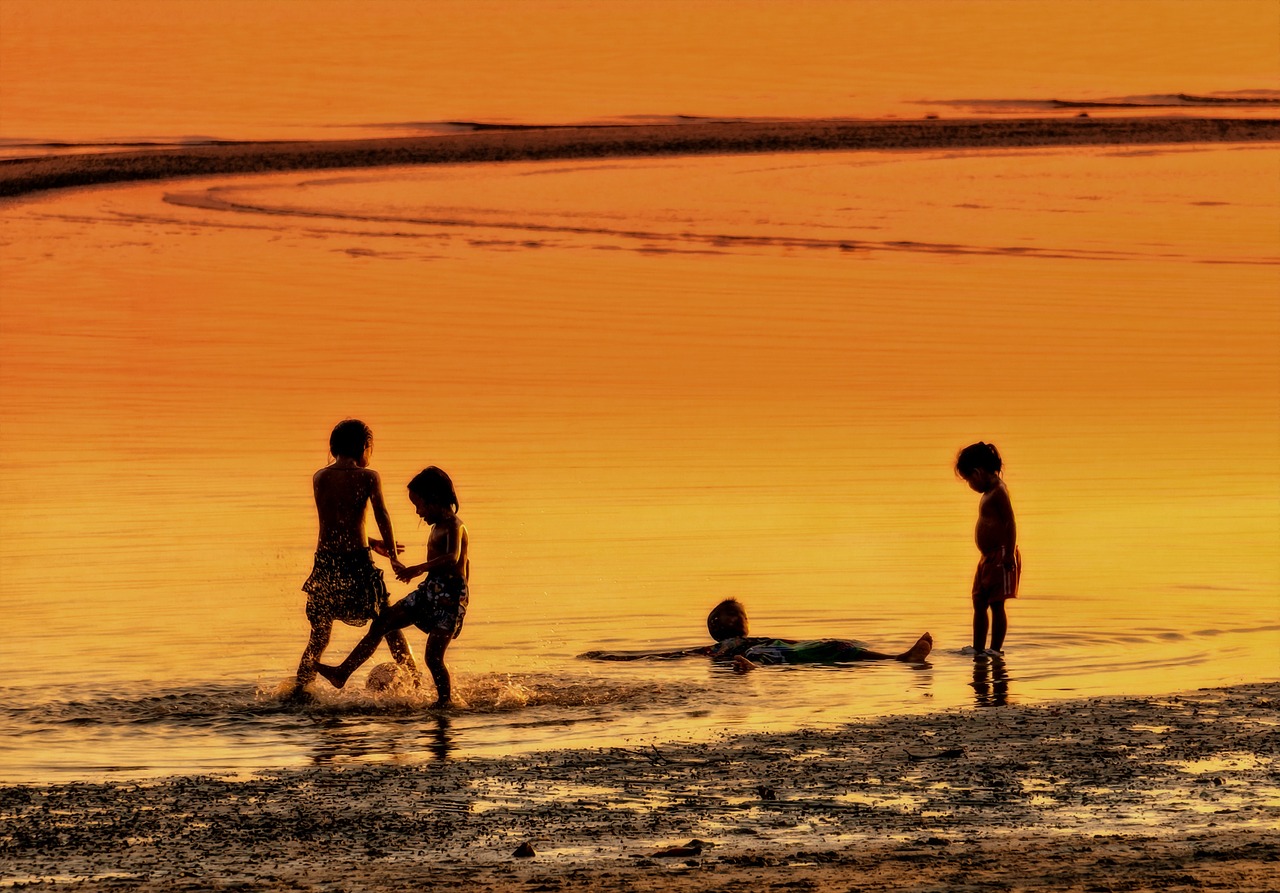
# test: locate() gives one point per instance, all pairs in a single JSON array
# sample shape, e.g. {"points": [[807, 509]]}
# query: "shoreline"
{"points": [[1116, 793], [27, 176]]}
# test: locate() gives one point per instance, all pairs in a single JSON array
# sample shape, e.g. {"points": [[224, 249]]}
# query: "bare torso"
{"points": [[449, 538], [342, 494], [996, 529]]}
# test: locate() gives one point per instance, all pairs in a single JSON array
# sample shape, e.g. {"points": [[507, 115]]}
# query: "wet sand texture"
{"points": [[1168, 793], [28, 175]]}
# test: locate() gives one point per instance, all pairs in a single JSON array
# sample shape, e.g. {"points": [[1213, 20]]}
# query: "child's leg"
{"points": [[979, 627], [919, 651], [999, 625], [393, 619], [437, 642], [401, 651], [316, 644]]}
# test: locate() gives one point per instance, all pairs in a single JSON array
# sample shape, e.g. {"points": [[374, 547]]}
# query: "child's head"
{"points": [[349, 439], [432, 488], [727, 620], [979, 464]]}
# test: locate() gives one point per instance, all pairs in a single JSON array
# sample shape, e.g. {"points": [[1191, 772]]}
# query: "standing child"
{"points": [[439, 604], [344, 583], [1000, 566]]}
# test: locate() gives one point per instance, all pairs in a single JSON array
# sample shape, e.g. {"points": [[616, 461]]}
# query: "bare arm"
{"points": [[703, 651], [444, 551], [383, 519]]}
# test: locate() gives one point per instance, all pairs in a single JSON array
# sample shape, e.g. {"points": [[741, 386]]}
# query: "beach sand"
{"points": [[485, 143], [1173, 793]]}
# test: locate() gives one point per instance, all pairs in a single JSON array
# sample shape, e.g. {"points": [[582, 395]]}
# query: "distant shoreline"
{"points": [[495, 143]]}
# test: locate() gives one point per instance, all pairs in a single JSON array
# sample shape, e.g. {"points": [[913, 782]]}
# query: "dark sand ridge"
{"points": [[522, 143], [1177, 792]]}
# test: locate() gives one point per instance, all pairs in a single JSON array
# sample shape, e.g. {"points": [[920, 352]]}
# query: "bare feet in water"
{"points": [[917, 652], [333, 674], [742, 665]]}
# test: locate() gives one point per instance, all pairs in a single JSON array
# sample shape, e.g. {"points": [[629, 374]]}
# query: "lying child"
{"points": [[727, 624]]}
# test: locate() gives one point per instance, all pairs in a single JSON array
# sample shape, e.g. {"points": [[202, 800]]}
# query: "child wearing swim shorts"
{"points": [[1000, 567], [344, 583], [439, 604]]}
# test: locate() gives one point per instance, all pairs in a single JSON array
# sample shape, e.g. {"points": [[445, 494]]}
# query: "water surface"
{"points": [[656, 384]]}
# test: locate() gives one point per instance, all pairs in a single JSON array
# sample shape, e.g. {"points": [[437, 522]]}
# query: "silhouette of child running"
{"points": [[1000, 567], [439, 604], [727, 624], [344, 583]]}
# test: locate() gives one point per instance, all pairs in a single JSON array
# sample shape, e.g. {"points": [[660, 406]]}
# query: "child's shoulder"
{"points": [[345, 475], [997, 496]]}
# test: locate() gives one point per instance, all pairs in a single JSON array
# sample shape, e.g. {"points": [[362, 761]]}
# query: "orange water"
{"points": [[90, 70], [657, 383]]}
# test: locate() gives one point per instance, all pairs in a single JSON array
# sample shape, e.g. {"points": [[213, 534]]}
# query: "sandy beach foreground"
{"points": [[1174, 793], [492, 143]]}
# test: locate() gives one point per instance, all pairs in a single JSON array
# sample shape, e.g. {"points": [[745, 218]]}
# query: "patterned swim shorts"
{"points": [[439, 604], [345, 586]]}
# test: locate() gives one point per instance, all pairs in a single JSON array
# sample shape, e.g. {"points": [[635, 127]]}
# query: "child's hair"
{"points": [[433, 485], [350, 438], [727, 620], [978, 456]]}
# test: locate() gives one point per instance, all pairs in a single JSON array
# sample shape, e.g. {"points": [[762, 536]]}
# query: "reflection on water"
{"points": [[990, 682], [419, 737]]}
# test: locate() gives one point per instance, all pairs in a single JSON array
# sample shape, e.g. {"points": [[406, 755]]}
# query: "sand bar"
{"points": [[23, 176], [1176, 792]]}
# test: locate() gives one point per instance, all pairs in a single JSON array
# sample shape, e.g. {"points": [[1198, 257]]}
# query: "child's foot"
{"points": [[919, 651], [333, 674], [442, 704], [742, 665], [299, 695], [992, 652]]}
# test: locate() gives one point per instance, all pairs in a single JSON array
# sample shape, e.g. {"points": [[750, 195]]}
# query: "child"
{"points": [[344, 584], [727, 624], [439, 604], [1000, 567]]}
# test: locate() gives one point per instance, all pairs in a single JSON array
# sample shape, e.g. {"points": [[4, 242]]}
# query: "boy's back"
{"points": [[342, 493]]}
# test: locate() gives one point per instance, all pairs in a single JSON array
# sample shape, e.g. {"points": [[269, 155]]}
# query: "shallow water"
{"points": [[657, 384]]}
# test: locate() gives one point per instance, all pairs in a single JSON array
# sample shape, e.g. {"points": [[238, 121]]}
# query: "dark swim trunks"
{"points": [[817, 651], [439, 604], [345, 586], [763, 650], [997, 577]]}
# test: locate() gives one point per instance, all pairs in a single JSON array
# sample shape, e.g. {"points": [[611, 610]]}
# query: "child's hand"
{"points": [[403, 574]]}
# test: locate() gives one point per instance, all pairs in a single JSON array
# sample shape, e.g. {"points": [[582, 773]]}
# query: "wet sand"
{"points": [[1179, 792], [484, 143]]}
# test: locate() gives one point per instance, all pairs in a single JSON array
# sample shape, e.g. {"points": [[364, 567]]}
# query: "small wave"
{"points": [[211, 705], [645, 241]]}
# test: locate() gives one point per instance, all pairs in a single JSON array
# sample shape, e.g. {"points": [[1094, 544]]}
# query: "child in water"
{"points": [[439, 604], [728, 626], [344, 583], [1000, 567]]}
